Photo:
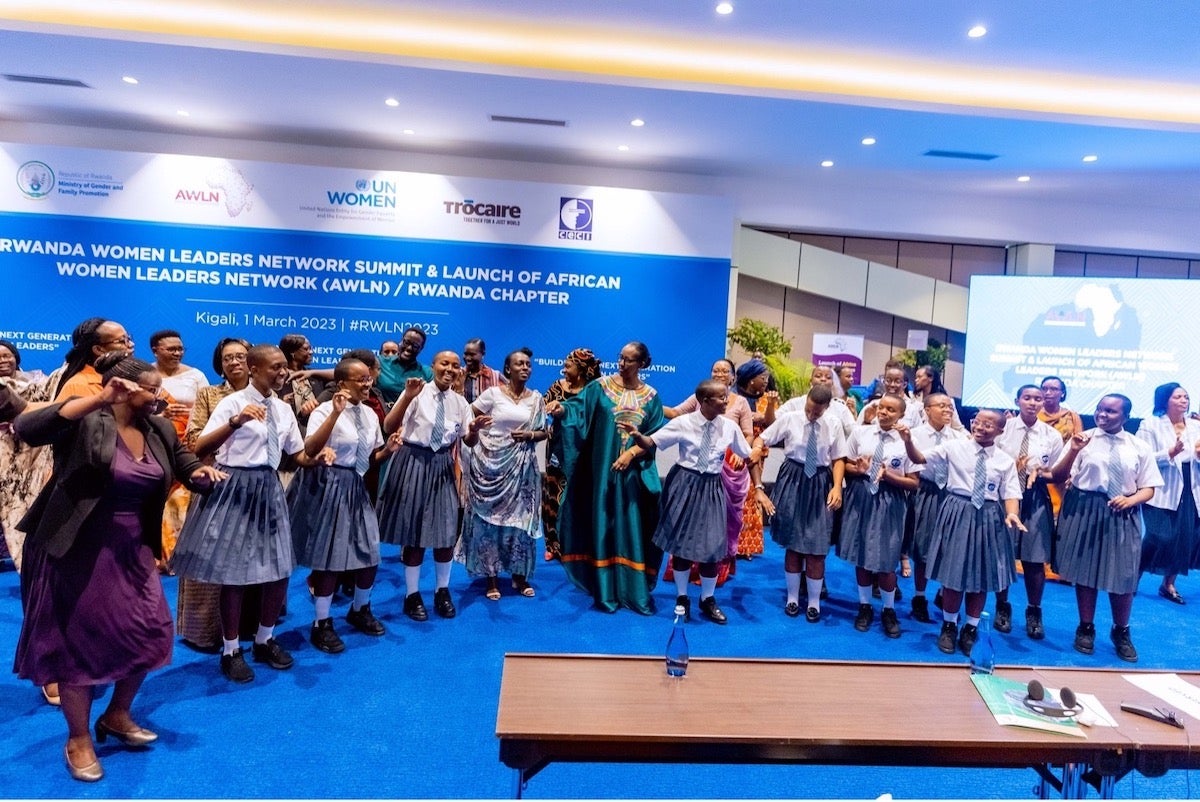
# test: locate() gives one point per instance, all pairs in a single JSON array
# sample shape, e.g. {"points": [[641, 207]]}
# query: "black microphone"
{"points": [[1036, 692]]}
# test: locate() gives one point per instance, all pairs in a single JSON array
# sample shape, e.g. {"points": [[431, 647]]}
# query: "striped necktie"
{"points": [[706, 443], [438, 433], [273, 449], [876, 463], [810, 451], [1022, 458], [1116, 471], [941, 471], [362, 456], [979, 489]]}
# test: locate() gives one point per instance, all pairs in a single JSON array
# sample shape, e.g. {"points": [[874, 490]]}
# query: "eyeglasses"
{"points": [[364, 380], [177, 349], [122, 340], [232, 358]]}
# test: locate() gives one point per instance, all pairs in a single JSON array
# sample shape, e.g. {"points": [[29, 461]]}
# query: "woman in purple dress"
{"points": [[95, 612]]}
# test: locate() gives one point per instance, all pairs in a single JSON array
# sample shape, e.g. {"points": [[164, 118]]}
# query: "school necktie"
{"points": [[1022, 457], [810, 451], [362, 456], [273, 450], [706, 443], [979, 489], [941, 470], [1116, 470], [876, 464], [438, 432]]}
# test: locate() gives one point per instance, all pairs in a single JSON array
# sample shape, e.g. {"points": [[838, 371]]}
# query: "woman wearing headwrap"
{"points": [[580, 367], [753, 377]]}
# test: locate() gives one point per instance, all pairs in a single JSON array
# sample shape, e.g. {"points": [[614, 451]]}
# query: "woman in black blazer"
{"points": [[94, 606]]}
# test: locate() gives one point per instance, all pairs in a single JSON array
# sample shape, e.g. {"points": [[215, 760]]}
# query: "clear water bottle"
{"points": [[677, 648], [983, 654]]}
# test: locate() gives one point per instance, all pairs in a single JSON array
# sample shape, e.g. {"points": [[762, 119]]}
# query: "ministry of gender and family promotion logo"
{"points": [[575, 218], [35, 179]]}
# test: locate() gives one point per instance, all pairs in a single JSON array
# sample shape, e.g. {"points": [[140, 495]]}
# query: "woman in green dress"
{"points": [[610, 507]]}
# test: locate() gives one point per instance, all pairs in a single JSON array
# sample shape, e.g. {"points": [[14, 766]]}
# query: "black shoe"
{"points": [[1085, 638], [234, 667], [324, 638], [364, 621], [273, 655], [414, 607], [1033, 623], [686, 604], [1125, 650], [442, 604], [792, 609], [948, 637], [1170, 594], [710, 610], [967, 638], [920, 610], [812, 615], [1003, 617], [866, 614], [891, 626]]}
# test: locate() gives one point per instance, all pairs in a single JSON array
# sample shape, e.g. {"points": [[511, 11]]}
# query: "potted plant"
{"points": [[756, 337]]}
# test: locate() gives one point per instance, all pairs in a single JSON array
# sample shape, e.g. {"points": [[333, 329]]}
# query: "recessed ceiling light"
{"points": [[391, 101], [724, 8], [1090, 158], [637, 122], [1024, 179], [129, 79], [622, 148], [827, 163], [868, 140], [977, 32], [183, 113], [408, 131]]}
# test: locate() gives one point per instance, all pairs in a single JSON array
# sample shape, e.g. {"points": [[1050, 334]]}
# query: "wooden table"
{"points": [[600, 708]]}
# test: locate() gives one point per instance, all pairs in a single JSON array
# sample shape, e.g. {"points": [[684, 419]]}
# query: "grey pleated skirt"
{"points": [[334, 527], [1098, 548], [872, 526], [803, 521], [418, 500], [1036, 545], [239, 534], [926, 504], [971, 550], [691, 516]]}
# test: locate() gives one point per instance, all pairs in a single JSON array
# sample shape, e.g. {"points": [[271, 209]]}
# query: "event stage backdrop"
{"points": [[214, 247]]}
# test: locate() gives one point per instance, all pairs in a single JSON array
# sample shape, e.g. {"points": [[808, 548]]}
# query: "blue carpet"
{"points": [[412, 714]]}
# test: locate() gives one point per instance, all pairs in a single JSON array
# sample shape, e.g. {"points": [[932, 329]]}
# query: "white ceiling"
{"points": [[745, 105]]}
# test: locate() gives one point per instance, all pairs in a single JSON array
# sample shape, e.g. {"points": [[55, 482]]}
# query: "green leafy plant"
{"points": [[935, 355], [792, 376]]}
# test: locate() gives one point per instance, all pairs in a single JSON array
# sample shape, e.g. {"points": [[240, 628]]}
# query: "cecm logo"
{"points": [[575, 218], [35, 179]]}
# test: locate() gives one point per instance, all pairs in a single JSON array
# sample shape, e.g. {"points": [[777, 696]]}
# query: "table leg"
{"points": [[1108, 784], [1073, 786]]}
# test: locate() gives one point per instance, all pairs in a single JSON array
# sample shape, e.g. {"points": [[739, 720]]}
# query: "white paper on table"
{"points": [[1171, 688], [1094, 713]]}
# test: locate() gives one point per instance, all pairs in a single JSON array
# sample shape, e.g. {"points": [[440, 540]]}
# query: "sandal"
{"points": [[493, 591], [524, 588]]}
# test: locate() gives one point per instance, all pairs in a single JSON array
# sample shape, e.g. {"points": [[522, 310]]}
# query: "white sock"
{"points": [[889, 598], [681, 582], [264, 634], [441, 572], [814, 592], [323, 604], [793, 586], [412, 579], [973, 620], [362, 597], [951, 617], [864, 594], [230, 646], [708, 586]]}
